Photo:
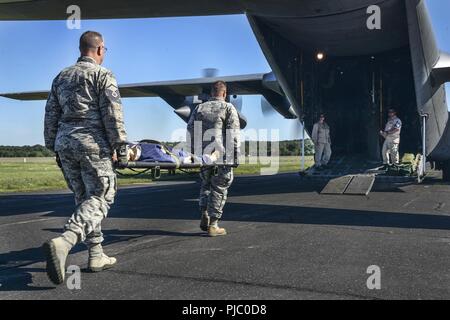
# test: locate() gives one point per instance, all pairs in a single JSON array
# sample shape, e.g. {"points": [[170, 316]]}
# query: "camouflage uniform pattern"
{"points": [[216, 118], [94, 184], [84, 124], [214, 190]]}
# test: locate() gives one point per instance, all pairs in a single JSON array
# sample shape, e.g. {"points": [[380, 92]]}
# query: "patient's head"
{"points": [[134, 152]]}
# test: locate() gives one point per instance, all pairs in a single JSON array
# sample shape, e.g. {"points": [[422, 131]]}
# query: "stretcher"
{"points": [[155, 167]]}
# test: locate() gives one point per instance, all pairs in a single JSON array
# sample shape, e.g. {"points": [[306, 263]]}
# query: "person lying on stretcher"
{"points": [[155, 152]]}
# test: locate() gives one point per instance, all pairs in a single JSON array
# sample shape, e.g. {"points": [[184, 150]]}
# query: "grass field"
{"points": [[42, 174]]}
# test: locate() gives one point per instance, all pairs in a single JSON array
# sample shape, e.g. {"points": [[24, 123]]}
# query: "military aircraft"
{"points": [[326, 56]]}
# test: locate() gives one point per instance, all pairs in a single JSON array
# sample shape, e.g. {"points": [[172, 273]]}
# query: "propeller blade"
{"points": [[242, 120], [234, 99], [210, 72]]}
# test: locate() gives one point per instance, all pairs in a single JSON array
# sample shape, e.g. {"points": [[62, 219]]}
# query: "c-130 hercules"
{"points": [[324, 58]]}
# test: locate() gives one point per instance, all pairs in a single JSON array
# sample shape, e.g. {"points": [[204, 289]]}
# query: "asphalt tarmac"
{"points": [[285, 241]]}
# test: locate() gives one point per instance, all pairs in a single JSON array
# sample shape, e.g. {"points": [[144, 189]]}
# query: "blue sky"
{"points": [[140, 50], [439, 11]]}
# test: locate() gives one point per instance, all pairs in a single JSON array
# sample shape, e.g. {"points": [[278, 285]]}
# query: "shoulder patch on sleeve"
{"points": [[112, 92]]}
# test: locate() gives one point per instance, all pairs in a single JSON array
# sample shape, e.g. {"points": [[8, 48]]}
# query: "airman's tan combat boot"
{"points": [[214, 230], [98, 261], [56, 252]]}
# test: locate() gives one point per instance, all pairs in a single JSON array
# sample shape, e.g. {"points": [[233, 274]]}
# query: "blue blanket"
{"points": [[151, 152]]}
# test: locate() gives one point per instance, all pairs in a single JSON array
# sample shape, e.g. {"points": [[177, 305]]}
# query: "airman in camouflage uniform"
{"points": [[214, 126], [84, 125]]}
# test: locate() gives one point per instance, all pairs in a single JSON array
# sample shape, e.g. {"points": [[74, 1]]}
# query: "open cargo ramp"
{"points": [[350, 184]]}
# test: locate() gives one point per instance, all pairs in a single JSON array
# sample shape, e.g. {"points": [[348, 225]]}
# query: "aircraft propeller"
{"points": [[236, 100], [266, 108]]}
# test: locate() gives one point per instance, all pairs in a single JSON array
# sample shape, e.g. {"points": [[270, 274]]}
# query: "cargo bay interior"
{"points": [[355, 93]]}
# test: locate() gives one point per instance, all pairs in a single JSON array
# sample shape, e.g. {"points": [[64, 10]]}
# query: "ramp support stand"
{"points": [[423, 169], [303, 145]]}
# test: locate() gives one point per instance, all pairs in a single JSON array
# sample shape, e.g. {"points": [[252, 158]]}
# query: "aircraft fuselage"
{"points": [[365, 71]]}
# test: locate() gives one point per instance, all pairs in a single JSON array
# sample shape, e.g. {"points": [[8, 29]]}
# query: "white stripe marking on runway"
{"points": [[29, 221]]}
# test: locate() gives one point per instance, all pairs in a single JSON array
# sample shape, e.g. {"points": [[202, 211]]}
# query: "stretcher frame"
{"points": [[164, 165], [156, 167]]}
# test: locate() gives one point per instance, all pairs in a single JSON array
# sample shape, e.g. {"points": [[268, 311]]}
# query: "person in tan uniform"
{"points": [[391, 134], [322, 143]]}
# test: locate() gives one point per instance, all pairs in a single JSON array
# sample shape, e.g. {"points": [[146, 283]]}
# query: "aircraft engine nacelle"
{"points": [[236, 101], [274, 98], [190, 102], [193, 101]]}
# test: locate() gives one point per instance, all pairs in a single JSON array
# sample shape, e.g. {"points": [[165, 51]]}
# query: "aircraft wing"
{"points": [[32, 95], [239, 85], [109, 9]]}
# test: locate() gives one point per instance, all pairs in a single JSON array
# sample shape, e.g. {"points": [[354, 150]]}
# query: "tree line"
{"points": [[25, 151], [286, 148]]}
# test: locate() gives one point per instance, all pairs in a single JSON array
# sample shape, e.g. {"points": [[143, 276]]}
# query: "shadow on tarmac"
{"points": [[180, 203]]}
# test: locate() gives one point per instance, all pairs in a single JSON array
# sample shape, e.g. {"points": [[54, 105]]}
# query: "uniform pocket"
{"points": [[226, 175], [99, 177], [102, 166], [110, 188]]}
